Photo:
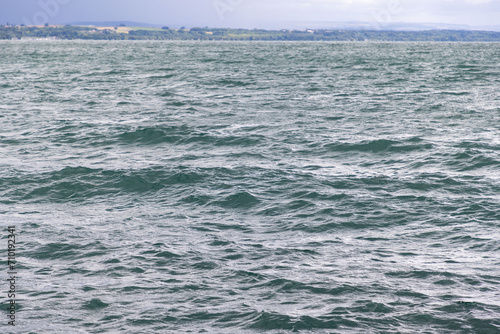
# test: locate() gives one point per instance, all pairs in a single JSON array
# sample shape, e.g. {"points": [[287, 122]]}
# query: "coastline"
{"points": [[208, 34]]}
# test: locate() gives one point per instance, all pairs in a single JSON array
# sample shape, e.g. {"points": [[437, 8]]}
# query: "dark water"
{"points": [[189, 187]]}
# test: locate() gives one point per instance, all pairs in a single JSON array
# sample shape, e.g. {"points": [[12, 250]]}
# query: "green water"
{"points": [[192, 187]]}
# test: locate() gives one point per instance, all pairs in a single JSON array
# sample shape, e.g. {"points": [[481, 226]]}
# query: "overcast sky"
{"points": [[252, 13]]}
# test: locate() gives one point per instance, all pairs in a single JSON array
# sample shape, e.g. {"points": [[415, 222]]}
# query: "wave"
{"points": [[380, 146], [233, 83], [182, 135], [82, 183], [265, 321], [67, 251], [241, 199]]}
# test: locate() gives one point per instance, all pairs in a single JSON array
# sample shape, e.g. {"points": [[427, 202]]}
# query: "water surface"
{"points": [[195, 187]]}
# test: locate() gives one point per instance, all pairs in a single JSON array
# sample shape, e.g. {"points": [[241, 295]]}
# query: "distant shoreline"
{"points": [[70, 32]]}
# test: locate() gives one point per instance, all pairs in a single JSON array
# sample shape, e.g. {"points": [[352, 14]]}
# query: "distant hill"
{"points": [[115, 24], [393, 26]]}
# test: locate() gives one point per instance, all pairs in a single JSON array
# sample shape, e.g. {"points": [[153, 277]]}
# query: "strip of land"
{"points": [[140, 33]]}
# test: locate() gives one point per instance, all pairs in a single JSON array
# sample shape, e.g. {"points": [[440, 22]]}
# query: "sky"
{"points": [[267, 14]]}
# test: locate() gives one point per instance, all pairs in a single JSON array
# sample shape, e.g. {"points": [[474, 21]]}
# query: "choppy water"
{"points": [[189, 187]]}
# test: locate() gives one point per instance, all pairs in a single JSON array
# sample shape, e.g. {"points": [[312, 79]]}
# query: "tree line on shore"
{"points": [[114, 33]]}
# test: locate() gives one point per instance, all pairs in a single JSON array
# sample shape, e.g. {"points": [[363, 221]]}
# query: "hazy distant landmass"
{"points": [[349, 25], [115, 24], [123, 31], [402, 26]]}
